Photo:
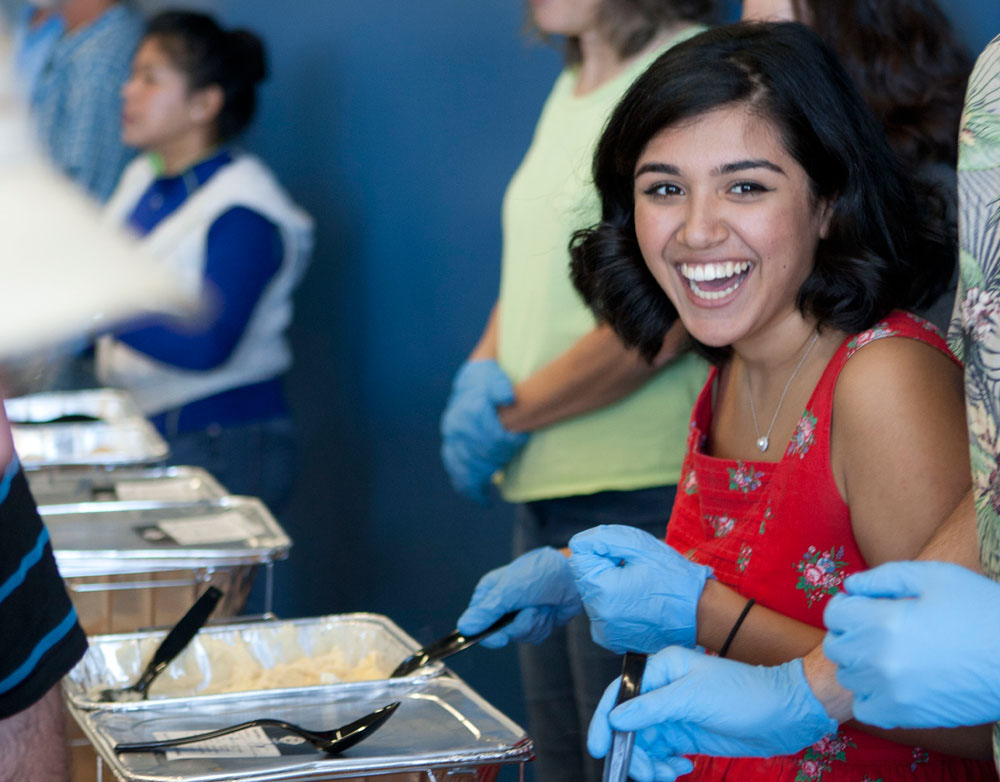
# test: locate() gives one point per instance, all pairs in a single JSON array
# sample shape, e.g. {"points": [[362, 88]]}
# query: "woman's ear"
{"points": [[825, 215], [206, 104]]}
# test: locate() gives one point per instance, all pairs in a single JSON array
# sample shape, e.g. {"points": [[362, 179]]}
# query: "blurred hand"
{"points": [[918, 643], [474, 444], [694, 704], [539, 583], [640, 594]]}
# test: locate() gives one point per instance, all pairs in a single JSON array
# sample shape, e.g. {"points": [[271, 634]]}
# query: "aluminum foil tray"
{"points": [[121, 435], [73, 485], [210, 659], [441, 723], [99, 539]]}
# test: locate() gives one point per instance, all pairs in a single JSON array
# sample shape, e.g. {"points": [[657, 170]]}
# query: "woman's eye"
{"points": [[748, 188], [664, 190]]}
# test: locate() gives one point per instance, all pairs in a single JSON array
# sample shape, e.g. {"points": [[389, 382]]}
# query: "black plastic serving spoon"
{"points": [[331, 742], [447, 646], [171, 646]]}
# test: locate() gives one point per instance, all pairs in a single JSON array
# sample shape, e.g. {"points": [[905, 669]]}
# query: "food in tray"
{"points": [[237, 663], [243, 674]]}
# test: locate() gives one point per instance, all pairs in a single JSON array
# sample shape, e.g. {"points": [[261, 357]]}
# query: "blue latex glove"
{"points": [[640, 594], [918, 643], [474, 444], [538, 582], [694, 704]]}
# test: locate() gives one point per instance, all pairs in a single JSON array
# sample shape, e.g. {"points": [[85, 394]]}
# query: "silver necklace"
{"points": [[763, 440]]}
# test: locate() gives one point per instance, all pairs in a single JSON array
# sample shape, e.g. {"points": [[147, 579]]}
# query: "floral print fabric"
{"points": [[975, 325], [780, 532]]}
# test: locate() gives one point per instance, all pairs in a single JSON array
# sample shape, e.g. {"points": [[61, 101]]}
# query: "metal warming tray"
{"points": [[218, 653], [129, 565], [441, 724], [120, 433], [73, 485]]}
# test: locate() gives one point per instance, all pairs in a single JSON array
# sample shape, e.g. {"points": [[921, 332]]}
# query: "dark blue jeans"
{"points": [[565, 676]]}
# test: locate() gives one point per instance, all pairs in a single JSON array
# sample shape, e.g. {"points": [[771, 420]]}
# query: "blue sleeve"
{"points": [[244, 251]]}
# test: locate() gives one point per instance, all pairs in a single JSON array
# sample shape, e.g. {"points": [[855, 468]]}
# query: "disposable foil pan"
{"points": [[121, 435], [210, 658], [56, 487], [97, 539], [441, 724]]}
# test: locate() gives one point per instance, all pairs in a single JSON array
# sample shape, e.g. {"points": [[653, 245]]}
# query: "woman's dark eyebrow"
{"points": [[728, 168], [745, 165], [657, 168]]}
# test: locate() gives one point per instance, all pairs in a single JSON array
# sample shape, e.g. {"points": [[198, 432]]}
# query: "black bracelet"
{"points": [[732, 633]]}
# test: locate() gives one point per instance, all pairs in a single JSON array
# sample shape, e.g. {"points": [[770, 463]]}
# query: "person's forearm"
{"points": [[769, 638], [34, 746], [486, 348], [596, 371]]}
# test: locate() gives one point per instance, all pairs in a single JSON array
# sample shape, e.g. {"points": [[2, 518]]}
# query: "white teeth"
{"points": [[699, 272], [712, 295], [706, 272]]}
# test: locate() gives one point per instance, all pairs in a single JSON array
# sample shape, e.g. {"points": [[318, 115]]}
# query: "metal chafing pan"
{"points": [[73, 485], [119, 435], [117, 660], [138, 537], [441, 724], [129, 565]]}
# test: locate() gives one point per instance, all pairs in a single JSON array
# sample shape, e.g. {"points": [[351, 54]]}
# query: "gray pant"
{"points": [[565, 676]]}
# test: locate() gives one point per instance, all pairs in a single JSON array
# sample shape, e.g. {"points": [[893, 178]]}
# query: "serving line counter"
{"points": [[137, 542], [442, 729]]}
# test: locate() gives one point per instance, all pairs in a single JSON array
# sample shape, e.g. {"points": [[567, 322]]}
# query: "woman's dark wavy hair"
{"points": [[631, 24], [886, 248], [908, 64], [234, 60]]}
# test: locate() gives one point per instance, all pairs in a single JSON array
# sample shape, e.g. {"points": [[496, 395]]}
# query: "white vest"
{"points": [[179, 241]]}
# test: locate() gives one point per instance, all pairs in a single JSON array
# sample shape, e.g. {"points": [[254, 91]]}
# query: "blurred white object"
{"points": [[63, 273]]}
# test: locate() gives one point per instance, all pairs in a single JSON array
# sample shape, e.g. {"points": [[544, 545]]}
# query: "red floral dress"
{"points": [[780, 532]]}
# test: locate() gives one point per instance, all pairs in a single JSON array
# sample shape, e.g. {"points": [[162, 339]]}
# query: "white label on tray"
{"points": [[227, 527], [249, 743], [160, 489]]}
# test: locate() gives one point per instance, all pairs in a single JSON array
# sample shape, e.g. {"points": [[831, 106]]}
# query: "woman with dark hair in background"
{"points": [[552, 401], [221, 222], [747, 190], [911, 69]]}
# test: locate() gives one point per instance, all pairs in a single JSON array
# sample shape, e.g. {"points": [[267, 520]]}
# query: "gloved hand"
{"points": [[538, 582], [640, 594], [918, 643], [696, 704], [474, 444]]}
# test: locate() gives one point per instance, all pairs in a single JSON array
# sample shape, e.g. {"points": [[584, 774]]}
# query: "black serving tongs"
{"points": [[617, 762], [332, 742], [171, 646], [447, 646]]}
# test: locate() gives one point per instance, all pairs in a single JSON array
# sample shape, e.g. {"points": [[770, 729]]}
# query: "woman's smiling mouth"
{"points": [[713, 281]]}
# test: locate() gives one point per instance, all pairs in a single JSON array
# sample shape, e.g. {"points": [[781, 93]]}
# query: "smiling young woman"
{"points": [[748, 191]]}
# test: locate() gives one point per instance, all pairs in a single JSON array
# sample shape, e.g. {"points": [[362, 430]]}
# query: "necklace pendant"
{"points": [[762, 443]]}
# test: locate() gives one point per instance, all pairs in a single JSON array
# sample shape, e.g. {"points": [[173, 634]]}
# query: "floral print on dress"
{"points": [[690, 482], [819, 758], [925, 324], [768, 513], [721, 525], [820, 573], [744, 478], [804, 435], [744, 557], [866, 337], [919, 758]]}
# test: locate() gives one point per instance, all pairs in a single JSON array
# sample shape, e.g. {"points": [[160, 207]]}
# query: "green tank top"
{"points": [[639, 441]]}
